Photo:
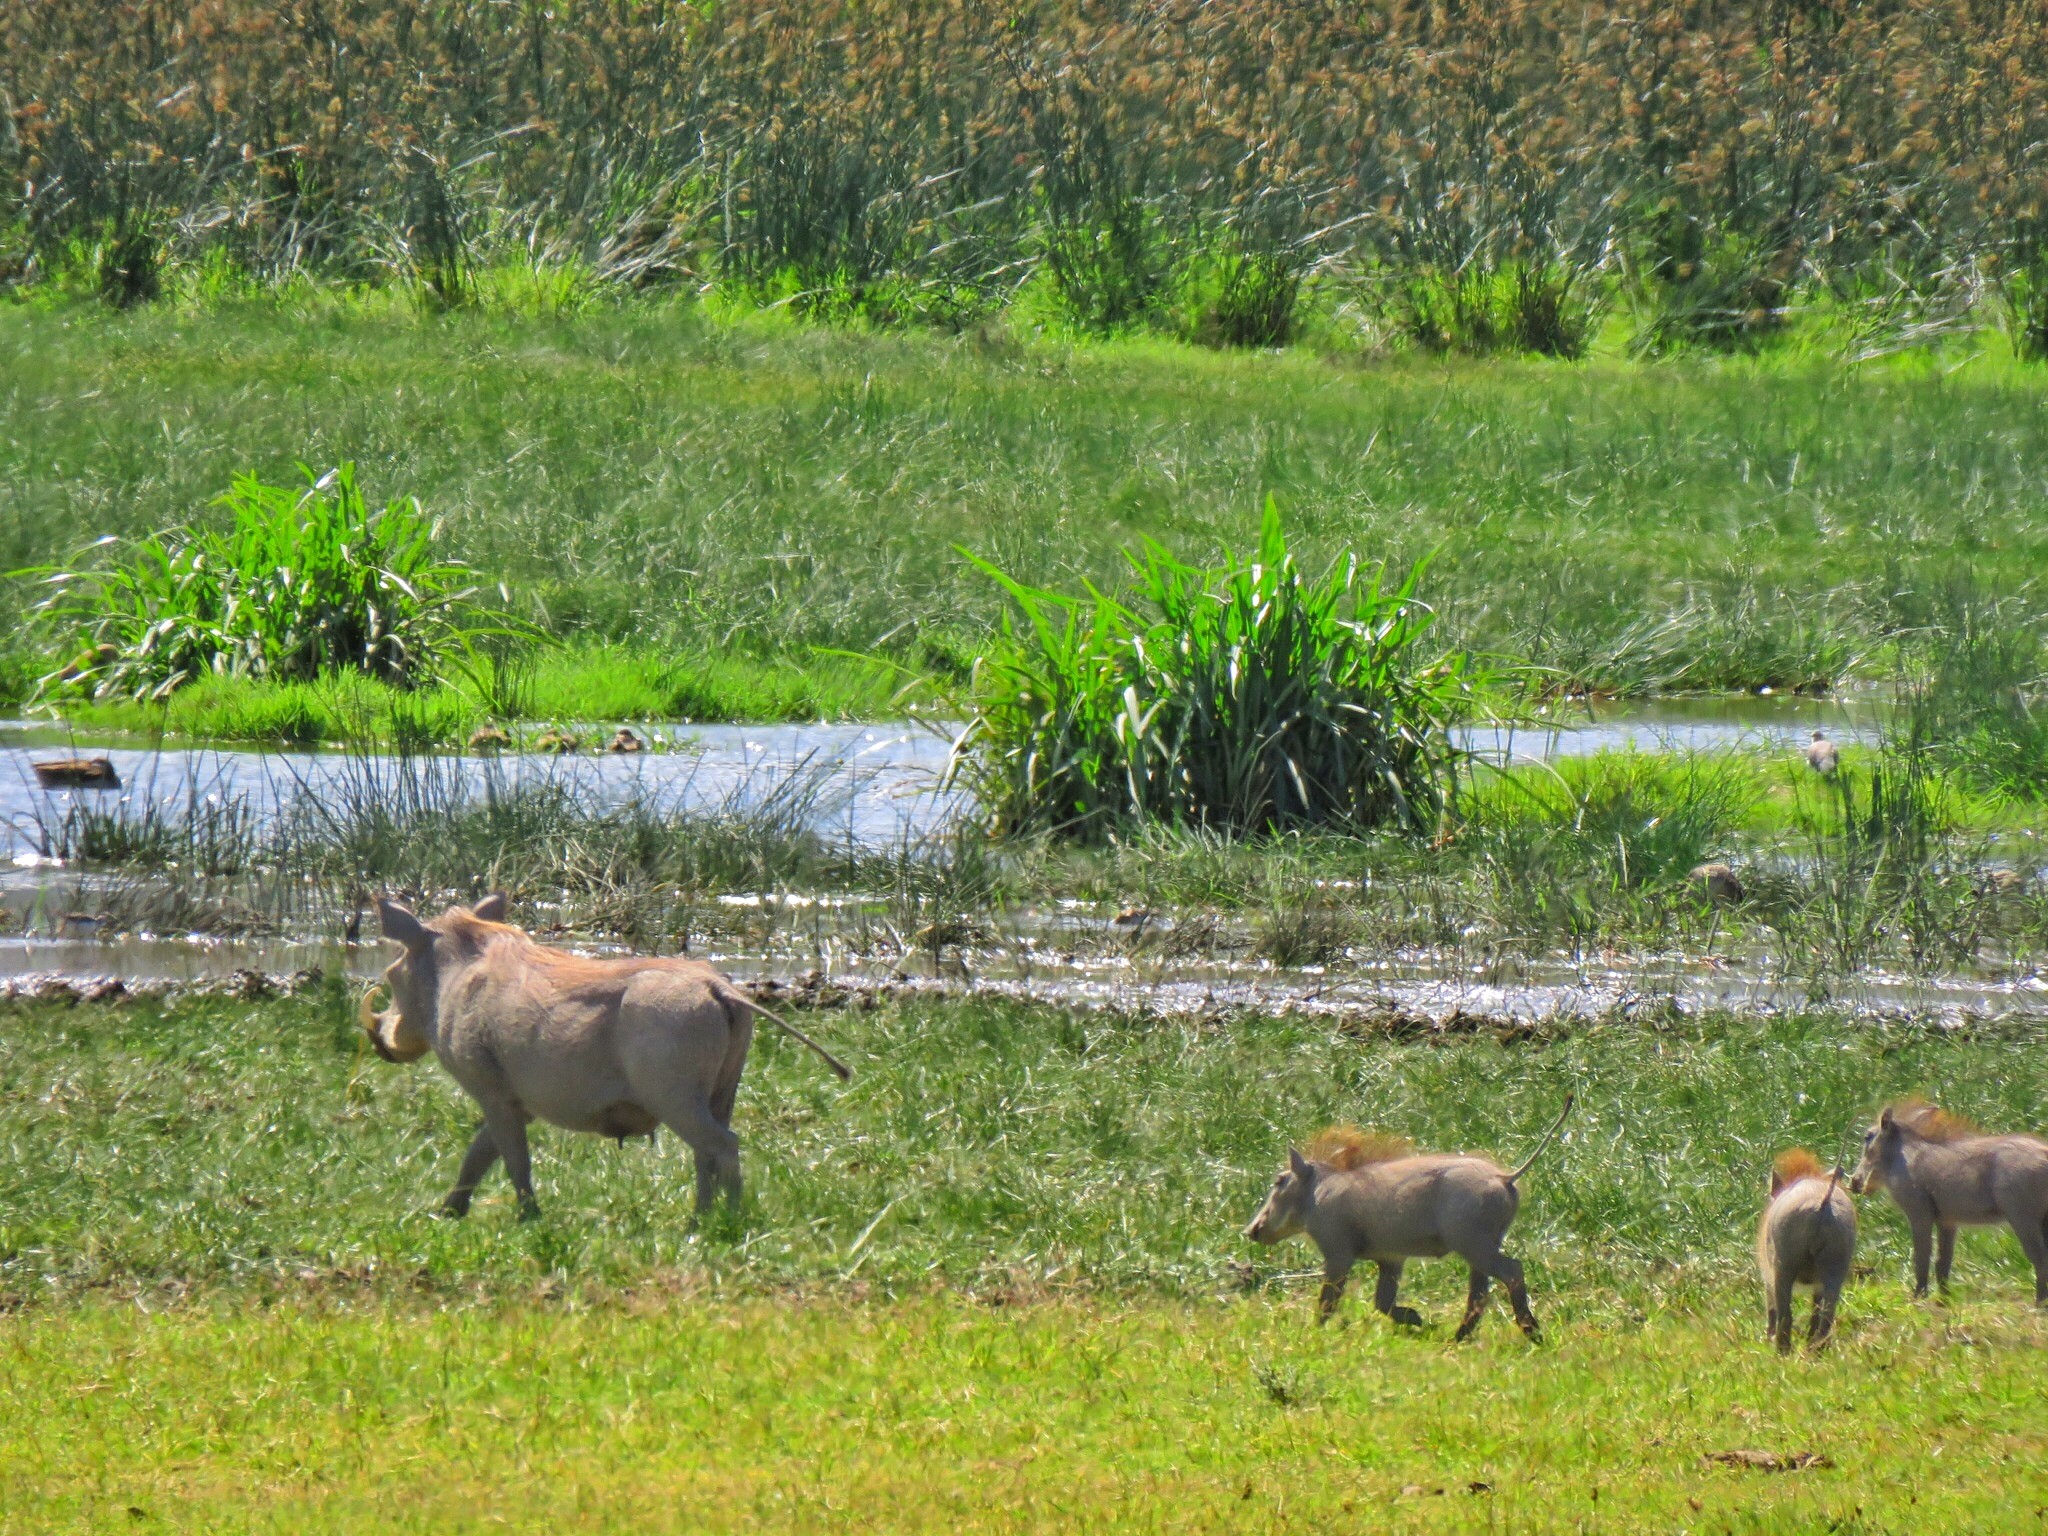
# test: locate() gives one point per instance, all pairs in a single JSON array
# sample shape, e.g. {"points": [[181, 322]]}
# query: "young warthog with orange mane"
{"points": [[612, 1047], [1807, 1237], [1361, 1196], [1943, 1172]]}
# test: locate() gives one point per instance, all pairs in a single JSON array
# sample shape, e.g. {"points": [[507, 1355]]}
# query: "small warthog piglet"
{"points": [[1943, 1172], [1807, 1237], [1361, 1196]]}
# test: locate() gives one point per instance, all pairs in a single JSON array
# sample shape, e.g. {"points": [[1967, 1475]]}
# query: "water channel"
{"points": [[877, 785]]}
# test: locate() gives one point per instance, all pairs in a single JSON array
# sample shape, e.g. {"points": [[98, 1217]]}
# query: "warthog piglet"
{"points": [[1807, 1237], [1942, 1172], [1360, 1196]]}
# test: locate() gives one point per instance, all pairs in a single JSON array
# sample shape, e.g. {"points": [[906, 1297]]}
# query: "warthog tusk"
{"points": [[381, 1027]]}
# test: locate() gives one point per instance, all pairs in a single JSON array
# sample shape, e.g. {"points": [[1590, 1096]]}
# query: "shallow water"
{"points": [[869, 784], [874, 785]]}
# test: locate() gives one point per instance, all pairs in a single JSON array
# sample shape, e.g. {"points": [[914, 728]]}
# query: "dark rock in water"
{"points": [[77, 773]]}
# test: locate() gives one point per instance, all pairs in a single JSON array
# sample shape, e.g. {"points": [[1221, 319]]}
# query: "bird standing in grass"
{"points": [[1824, 756]]}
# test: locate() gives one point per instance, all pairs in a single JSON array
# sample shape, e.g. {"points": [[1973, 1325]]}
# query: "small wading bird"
{"points": [[1718, 883], [1823, 755], [625, 741]]}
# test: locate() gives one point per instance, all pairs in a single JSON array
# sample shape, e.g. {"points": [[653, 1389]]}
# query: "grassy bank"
{"points": [[671, 1411], [582, 685], [657, 479], [230, 1146]]}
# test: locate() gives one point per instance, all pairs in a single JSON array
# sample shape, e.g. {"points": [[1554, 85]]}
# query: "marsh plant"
{"points": [[1973, 688], [1249, 697], [302, 582]]}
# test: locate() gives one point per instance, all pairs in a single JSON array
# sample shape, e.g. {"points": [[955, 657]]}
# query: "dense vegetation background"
{"points": [[1491, 174]]}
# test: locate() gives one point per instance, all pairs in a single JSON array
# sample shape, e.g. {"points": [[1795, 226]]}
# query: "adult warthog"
{"points": [[1942, 1172], [614, 1047]]}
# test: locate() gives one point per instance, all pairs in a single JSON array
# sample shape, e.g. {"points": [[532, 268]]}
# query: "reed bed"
{"points": [[1475, 179], [1890, 868]]}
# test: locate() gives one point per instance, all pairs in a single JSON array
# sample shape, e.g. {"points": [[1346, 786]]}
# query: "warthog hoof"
{"points": [[1407, 1317], [529, 1208]]}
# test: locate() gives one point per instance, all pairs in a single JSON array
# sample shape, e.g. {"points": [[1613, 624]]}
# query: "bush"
{"points": [[1248, 698], [303, 583]]}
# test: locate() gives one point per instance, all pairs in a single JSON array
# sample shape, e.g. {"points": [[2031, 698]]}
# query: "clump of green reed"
{"points": [[1875, 869], [300, 583], [1973, 691], [1249, 697], [1546, 308], [1599, 845], [2025, 308], [1720, 290]]}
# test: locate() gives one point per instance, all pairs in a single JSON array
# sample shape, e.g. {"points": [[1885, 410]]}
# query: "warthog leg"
{"points": [[1821, 1327], [1923, 1248], [1334, 1276], [1944, 1255], [476, 1162], [2035, 1246], [1509, 1272], [507, 1126], [1390, 1287], [1781, 1309], [716, 1149], [1475, 1303]]}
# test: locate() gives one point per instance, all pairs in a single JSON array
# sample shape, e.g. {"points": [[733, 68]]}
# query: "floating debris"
{"points": [[77, 773]]}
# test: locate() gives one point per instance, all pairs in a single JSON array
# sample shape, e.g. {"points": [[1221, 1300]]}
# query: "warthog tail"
{"points": [[1555, 1126], [845, 1072]]}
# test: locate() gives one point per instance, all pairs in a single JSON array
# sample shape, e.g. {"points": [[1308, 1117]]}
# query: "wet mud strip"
{"points": [[1366, 1009]]}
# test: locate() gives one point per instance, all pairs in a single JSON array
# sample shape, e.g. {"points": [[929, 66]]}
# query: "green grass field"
{"points": [[995, 1283], [695, 488], [998, 1282], [674, 1411]]}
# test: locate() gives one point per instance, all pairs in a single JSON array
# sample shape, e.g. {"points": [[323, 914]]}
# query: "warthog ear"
{"points": [[1297, 1163], [398, 923], [492, 908], [1885, 1120]]}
